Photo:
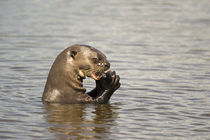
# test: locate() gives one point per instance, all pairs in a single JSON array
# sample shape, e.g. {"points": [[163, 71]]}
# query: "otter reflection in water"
{"points": [[81, 121]]}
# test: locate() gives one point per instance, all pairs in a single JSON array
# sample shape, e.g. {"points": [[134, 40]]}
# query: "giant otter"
{"points": [[64, 82]]}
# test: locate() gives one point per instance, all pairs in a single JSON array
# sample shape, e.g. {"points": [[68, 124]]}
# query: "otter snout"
{"points": [[106, 65]]}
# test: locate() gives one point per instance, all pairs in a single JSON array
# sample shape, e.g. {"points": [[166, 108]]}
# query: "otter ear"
{"points": [[73, 54]]}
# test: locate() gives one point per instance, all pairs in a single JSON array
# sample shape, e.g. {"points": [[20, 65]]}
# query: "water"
{"points": [[160, 49]]}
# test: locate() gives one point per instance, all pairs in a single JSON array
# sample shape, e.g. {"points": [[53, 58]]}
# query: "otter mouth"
{"points": [[96, 75]]}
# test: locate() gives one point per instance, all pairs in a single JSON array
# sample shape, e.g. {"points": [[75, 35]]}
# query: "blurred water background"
{"points": [[160, 49]]}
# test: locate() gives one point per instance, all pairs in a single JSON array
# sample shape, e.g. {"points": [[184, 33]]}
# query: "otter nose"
{"points": [[107, 65]]}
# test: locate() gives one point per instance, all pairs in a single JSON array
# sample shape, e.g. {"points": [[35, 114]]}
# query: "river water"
{"points": [[160, 49]]}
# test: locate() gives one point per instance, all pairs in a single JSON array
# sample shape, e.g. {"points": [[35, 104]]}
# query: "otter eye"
{"points": [[100, 58], [95, 60]]}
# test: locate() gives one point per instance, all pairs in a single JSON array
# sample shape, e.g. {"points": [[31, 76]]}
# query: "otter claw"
{"points": [[103, 76]]}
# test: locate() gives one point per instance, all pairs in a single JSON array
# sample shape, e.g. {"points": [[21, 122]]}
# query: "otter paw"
{"points": [[110, 83], [115, 81]]}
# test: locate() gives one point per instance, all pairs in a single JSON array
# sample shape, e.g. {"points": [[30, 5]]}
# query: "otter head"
{"points": [[87, 61]]}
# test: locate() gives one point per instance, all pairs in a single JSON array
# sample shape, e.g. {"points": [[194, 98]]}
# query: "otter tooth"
{"points": [[81, 74]]}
